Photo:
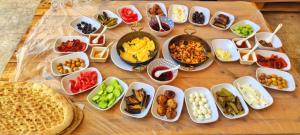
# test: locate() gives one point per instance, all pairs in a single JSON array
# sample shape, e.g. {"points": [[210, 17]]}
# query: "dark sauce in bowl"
{"points": [[155, 26], [163, 77]]}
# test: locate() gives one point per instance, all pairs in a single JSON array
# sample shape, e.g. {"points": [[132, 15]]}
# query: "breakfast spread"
{"points": [[74, 45], [137, 102], [86, 28], [71, 65], [273, 80], [221, 21], [137, 50], [229, 103], [189, 52], [167, 104], [107, 94], [200, 106]]}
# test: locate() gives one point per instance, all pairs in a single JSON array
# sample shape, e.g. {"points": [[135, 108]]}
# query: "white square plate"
{"points": [[205, 12], [231, 20]]}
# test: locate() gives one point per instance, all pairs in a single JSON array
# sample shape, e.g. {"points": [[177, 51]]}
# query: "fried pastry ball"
{"points": [[169, 94], [162, 99], [171, 113], [172, 103], [161, 110]]}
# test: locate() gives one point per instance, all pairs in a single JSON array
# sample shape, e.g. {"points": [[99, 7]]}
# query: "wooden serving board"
{"points": [[282, 117]]}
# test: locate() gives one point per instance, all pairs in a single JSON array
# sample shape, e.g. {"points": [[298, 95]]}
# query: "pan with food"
{"points": [[189, 50], [137, 48]]}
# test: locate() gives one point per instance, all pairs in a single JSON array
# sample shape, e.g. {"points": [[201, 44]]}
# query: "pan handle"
{"points": [[190, 30], [136, 27]]}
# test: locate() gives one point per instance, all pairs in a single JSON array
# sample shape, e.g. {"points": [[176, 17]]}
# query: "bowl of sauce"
{"points": [[251, 59], [161, 64], [166, 23], [245, 45]]}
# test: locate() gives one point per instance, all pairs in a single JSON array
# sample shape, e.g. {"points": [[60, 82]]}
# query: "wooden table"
{"points": [[282, 117]]}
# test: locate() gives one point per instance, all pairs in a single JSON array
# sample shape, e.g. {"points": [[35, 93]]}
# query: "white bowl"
{"points": [[267, 53], [235, 92], [210, 100], [276, 42], [247, 62], [103, 43], [111, 15], [163, 19], [160, 4], [65, 81], [138, 85], [205, 12], [106, 81], [66, 38], [285, 75], [186, 12], [226, 45], [179, 98], [61, 59], [231, 20], [91, 21], [134, 9], [254, 26], [247, 43], [161, 62], [92, 54], [257, 86]]}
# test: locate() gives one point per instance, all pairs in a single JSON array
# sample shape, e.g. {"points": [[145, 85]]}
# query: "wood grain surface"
{"points": [[282, 117]]}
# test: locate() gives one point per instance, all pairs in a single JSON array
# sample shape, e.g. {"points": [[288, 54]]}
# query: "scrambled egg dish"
{"points": [[137, 50]]}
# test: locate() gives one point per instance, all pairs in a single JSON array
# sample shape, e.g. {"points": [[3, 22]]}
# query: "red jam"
{"points": [[163, 77], [100, 40], [243, 45], [155, 26]]}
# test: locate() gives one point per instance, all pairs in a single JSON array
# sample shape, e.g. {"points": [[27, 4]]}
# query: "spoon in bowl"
{"points": [[95, 40], [161, 29], [269, 39], [246, 56], [239, 43], [160, 72], [103, 52]]}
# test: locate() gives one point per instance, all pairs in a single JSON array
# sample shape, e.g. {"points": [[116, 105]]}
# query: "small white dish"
{"points": [[179, 98], [61, 59], [267, 53], [226, 45], [111, 15], [257, 86], [107, 81], [96, 35], [210, 100], [160, 4], [247, 62], [103, 59], [65, 81], [134, 9], [234, 40], [254, 26], [91, 21], [163, 19], [235, 92], [205, 12], [276, 42], [161, 62], [166, 55], [59, 41], [285, 75], [231, 20], [138, 85], [171, 14]]}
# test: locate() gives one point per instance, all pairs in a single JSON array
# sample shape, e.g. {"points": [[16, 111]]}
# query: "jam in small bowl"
{"points": [[162, 64], [166, 23]]}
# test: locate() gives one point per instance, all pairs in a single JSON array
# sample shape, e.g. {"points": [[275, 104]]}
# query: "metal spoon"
{"points": [[246, 56], [269, 39], [95, 40], [159, 24], [160, 72], [239, 43], [103, 52]]}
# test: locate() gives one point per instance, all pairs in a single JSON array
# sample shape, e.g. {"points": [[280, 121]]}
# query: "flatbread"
{"points": [[31, 108]]}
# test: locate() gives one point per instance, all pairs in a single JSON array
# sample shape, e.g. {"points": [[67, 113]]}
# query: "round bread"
{"points": [[31, 108]]}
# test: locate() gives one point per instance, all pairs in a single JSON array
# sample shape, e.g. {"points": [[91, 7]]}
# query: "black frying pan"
{"points": [[189, 37]]}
